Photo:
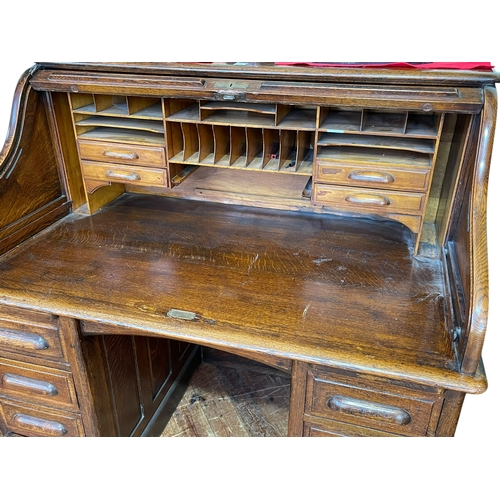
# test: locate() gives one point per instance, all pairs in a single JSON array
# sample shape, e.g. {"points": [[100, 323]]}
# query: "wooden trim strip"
{"points": [[271, 72]]}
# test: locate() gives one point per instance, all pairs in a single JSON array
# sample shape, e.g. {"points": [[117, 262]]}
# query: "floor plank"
{"points": [[230, 399]]}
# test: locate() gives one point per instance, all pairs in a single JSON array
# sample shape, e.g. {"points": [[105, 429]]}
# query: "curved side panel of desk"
{"points": [[30, 189]]}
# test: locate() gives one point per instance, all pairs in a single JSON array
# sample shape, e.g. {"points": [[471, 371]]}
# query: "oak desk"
{"points": [[330, 223]]}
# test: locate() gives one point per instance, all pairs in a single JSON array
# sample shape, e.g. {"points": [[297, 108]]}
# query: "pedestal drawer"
{"points": [[27, 421], [133, 154], [327, 428], [31, 340], [125, 174], [32, 383], [368, 200], [403, 414]]}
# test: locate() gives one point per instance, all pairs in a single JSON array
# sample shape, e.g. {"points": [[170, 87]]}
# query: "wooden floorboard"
{"points": [[227, 399]]}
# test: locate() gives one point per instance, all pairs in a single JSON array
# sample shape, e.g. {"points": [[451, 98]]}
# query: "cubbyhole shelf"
{"points": [[141, 108], [123, 135], [374, 141], [374, 156], [134, 120], [379, 122], [253, 115], [272, 150]]}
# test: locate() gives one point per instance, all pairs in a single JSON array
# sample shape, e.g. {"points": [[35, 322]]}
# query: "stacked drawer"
{"points": [[343, 405], [37, 392], [106, 162], [376, 163]]}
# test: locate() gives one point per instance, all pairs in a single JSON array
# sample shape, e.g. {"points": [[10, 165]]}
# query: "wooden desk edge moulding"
{"points": [[327, 222]]}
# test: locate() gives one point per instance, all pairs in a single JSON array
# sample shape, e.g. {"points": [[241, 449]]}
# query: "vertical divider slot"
{"points": [[175, 141], [271, 149], [287, 155], [190, 140], [85, 101], [206, 142], [281, 111], [137, 104], [221, 145], [111, 103], [171, 106], [254, 142], [238, 147], [304, 149]]}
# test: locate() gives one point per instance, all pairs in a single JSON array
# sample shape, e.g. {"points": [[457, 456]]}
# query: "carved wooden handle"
{"points": [[368, 199], [123, 155], [376, 177], [39, 424], [23, 340], [123, 177], [358, 407], [28, 385]]}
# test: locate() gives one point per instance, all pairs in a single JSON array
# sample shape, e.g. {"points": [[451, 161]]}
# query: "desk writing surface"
{"points": [[289, 284]]}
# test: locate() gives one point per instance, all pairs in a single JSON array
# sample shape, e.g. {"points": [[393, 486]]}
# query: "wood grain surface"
{"points": [[255, 279]]}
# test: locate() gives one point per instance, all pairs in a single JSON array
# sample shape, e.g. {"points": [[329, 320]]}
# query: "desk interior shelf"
{"points": [[336, 147]]}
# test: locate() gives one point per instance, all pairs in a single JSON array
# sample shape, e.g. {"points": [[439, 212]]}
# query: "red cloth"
{"points": [[482, 66]]}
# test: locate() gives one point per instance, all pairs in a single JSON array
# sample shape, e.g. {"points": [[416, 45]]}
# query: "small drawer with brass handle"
{"points": [[368, 200], [409, 414], [122, 153], [42, 343], [28, 421], [32, 383], [388, 178], [125, 174]]}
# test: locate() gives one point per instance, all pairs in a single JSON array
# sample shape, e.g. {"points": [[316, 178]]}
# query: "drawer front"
{"points": [[26, 421], [31, 340], [368, 200], [374, 409], [127, 174], [122, 153], [328, 428], [31, 383], [389, 178]]}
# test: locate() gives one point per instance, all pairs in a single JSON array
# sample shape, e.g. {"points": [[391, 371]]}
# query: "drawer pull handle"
{"points": [[23, 340], [132, 155], [357, 407], [376, 177], [368, 199], [123, 177], [49, 427], [29, 385]]}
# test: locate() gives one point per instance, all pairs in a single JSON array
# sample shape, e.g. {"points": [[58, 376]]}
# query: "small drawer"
{"points": [[407, 415], [122, 153], [125, 174], [31, 340], [27, 421], [368, 200], [32, 383], [388, 178]]}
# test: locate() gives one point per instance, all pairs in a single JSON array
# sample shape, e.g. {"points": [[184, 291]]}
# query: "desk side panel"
{"points": [[466, 248], [31, 196]]}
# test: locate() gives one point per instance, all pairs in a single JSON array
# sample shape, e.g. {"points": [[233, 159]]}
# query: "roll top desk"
{"points": [[330, 223]]}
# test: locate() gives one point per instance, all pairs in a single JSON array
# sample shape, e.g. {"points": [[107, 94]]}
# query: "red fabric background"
{"points": [[483, 66]]}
